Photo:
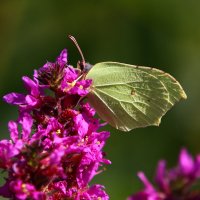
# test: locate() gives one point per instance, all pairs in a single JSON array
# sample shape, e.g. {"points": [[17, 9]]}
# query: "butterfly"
{"points": [[129, 96]]}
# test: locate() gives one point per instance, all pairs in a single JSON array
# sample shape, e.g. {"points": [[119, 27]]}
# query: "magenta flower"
{"points": [[62, 58], [72, 85], [55, 148], [29, 101], [174, 184], [25, 190]]}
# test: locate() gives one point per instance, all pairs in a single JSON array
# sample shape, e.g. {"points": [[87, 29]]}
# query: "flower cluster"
{"points": [[55, 147], [179, 183]]}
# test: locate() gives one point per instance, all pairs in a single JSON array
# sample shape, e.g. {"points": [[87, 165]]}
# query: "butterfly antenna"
{"points": [[72, 38]]}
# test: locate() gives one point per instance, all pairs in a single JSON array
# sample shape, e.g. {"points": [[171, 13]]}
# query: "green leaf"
{"points": [[128, 96]]}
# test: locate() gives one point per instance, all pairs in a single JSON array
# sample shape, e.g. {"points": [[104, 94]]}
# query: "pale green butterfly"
{"points": [[128, 96]]}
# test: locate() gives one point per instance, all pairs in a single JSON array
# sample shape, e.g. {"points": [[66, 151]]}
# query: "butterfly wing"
{"points": [[128, 96]]}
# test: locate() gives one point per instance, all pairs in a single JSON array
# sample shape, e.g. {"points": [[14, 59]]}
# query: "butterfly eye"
{"points": [[87, 67]]}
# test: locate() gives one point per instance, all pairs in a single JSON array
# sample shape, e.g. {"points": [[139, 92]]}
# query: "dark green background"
{"points": [[162, 34]]}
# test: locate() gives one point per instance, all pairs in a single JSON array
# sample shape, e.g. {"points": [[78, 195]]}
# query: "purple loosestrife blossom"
{"points": [[55, 148], [179, 183]]}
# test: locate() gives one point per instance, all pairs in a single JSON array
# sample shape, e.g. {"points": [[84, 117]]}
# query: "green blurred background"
{"points": [[162, 34]]}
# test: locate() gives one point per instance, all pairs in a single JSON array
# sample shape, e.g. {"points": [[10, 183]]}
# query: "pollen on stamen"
{"points": [[81, 87], [98, 142], [24, 188], [72, 84]]}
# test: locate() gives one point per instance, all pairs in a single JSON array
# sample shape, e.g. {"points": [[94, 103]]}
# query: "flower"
{"points": [[55, 148], [29, 101], [72, 85], [172, 184]]}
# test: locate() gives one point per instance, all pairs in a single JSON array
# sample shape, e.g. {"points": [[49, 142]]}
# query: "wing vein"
{"points": [[110, 109], [132, 103]]}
